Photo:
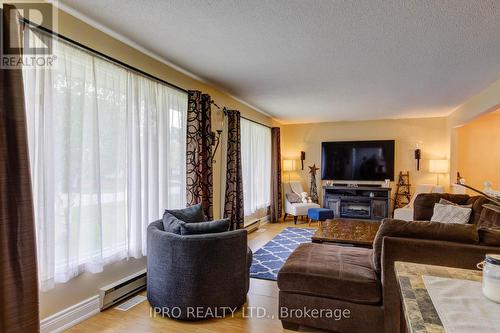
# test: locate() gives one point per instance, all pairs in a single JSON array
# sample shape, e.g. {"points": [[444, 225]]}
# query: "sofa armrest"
{"points": [[460, 233], [431, 252]]}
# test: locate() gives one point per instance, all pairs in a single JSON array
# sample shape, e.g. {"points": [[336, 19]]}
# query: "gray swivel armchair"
{"points": [[196, 276]]}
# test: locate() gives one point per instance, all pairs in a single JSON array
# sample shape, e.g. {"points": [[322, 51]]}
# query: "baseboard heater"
{"points": [[121, 289]]}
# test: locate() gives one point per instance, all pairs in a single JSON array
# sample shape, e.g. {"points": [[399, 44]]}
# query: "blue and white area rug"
{"points": [[268, 260]]}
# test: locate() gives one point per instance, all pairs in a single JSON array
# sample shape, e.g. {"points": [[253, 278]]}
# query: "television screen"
{"points": [[357, 160]]}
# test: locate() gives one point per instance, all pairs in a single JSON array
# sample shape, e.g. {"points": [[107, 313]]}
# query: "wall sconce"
{"points": [[418, 156], [302, 158], [215, 138]]}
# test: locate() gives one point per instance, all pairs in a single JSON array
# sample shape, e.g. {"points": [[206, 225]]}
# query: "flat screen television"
{"points": [[357, 160]]}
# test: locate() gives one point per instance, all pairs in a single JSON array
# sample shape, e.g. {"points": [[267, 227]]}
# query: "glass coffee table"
{"points": [[347, 231]]}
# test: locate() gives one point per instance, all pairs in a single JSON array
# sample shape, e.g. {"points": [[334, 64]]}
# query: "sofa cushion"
{"points": [[210, 227], [451, 232], [490, 217], [190, 214], [424, 203], [477, 208], [489, 236], [329, 271]]}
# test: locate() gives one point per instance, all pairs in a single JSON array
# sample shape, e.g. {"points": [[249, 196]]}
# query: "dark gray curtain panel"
{"points": [[18, 267], [233, 203], [199, 174]]}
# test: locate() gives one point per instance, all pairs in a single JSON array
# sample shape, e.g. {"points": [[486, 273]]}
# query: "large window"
{"points": [[256, 166], [107, 153]]}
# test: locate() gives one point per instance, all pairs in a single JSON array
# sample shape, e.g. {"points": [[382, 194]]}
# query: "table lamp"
{"points": [[289, 166], [438, 167]]}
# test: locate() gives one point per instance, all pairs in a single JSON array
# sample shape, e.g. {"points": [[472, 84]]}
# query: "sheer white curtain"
{"points": [[107, 153], [255, 165]]}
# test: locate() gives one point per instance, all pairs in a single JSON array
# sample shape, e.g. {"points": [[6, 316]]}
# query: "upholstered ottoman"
{"points": [[319, 214], [317, 278]]}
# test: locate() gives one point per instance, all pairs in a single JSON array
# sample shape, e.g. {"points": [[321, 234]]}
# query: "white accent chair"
{"points": [[406, 213], [296, 209]]}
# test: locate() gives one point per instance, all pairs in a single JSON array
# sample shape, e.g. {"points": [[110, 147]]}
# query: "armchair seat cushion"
{"points": [[298, 209], [329, 271]]}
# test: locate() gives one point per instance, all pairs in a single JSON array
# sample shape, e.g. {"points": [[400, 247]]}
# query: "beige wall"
{"points": [[86, 285], [430, 133], [478, 151]]}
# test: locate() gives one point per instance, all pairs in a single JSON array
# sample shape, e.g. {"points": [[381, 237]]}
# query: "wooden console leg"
{"points": [[290, 326]]}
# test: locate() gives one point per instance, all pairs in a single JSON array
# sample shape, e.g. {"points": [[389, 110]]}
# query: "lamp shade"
{"points": [[288, 165], [438, 166]]}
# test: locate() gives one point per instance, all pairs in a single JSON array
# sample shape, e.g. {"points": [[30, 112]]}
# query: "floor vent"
{"points": [[130, 303], [122, 289]]}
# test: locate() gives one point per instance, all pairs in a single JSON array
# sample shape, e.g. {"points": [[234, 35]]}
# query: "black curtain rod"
{"points": [[224, 108], [102, 55]]}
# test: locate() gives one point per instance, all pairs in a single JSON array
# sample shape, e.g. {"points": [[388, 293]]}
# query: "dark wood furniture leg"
{"points": [[290, 326]]}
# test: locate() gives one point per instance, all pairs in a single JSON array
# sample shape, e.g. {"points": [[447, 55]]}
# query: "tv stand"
{"points": [[371, 202]]}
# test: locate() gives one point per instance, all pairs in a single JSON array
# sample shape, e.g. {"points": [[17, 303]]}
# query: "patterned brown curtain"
{"points": [[276, 196], [199, 176], [18, 267], [233, 203]]}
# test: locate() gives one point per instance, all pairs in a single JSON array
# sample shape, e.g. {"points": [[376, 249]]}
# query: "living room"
{"points": [[250, 166]]}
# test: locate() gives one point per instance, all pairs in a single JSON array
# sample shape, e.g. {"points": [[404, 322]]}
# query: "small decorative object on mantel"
{"points": [[314, 188], [402, 196]]}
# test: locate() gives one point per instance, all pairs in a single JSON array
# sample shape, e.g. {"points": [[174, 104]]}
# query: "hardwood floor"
{"points": [[262, 294]]}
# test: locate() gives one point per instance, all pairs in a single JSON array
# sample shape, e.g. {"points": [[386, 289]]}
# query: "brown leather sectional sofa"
{"points": [[349, 289]]}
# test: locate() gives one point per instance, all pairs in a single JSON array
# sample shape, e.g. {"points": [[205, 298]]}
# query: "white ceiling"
{"points": [[319, 60]]}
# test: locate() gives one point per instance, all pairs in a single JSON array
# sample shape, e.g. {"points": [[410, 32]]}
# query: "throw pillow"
{"points": [[490, 217], [293, 197], [189, 215], [451, 214], [171, 223], [205, 227]]}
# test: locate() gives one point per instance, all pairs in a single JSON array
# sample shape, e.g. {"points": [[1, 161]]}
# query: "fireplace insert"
{"points": [[355, 208]]}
